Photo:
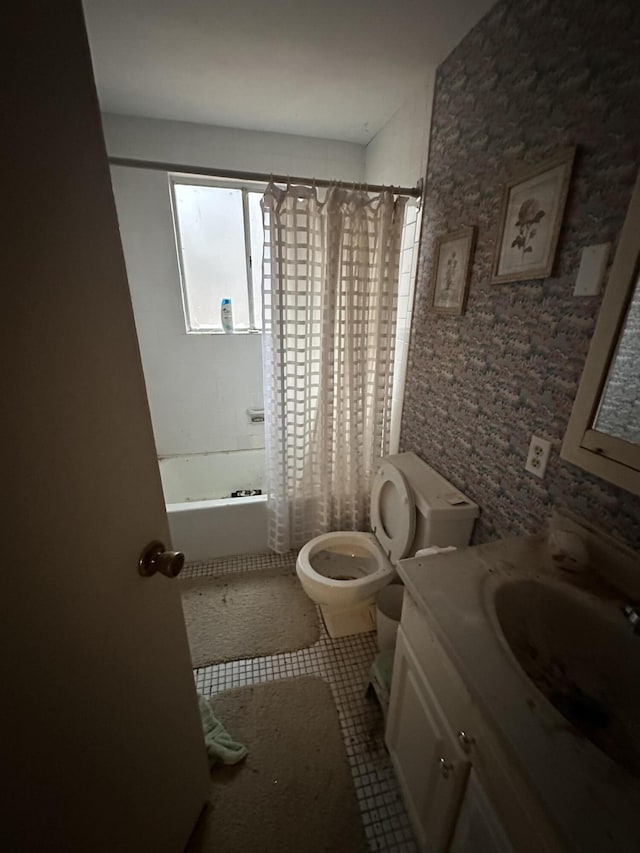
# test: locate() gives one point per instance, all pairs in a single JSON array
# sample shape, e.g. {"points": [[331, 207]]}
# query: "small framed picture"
{"points": [[532, 208], [451, 271]]}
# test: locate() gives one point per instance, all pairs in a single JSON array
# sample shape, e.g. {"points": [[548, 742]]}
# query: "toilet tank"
{"points": [[444, 516]]}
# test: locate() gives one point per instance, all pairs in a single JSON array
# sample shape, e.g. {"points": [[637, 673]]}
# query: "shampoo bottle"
{"points": [[226, 315]]}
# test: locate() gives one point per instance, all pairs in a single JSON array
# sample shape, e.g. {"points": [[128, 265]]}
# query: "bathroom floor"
{"points": [[344, 664]]}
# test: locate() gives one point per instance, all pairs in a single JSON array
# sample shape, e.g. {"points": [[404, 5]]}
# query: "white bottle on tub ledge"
{"points": [[226, 316]]}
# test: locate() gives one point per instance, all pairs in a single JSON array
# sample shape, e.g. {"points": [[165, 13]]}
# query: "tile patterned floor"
{"points": [[344, 664]]}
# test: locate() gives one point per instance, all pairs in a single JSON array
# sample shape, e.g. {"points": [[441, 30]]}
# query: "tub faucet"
{"points": [[632, 612]]}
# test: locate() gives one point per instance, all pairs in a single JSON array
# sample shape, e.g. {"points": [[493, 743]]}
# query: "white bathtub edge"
{"points": [[206, 530], [185, 506]]}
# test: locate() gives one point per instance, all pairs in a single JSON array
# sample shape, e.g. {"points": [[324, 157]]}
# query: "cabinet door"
{"points": [[430, 766], [478, 828]]}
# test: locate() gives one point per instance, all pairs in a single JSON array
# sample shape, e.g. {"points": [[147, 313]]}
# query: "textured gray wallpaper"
{"points": [[530, 78]]}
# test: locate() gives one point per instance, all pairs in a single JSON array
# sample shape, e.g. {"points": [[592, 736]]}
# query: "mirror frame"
{"points": [[610, 458]]}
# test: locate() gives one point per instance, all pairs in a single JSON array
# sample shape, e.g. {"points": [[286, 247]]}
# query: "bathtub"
{"points": [[205, 522]]}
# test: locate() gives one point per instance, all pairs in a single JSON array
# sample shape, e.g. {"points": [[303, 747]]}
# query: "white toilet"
{"points": [[412, 507]]}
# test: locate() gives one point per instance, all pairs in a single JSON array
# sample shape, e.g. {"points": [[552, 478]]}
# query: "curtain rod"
{"points": [[263, 177]]}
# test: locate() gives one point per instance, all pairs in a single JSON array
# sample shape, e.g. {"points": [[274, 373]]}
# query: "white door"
{"points": [[431, 768], [102, 748]]}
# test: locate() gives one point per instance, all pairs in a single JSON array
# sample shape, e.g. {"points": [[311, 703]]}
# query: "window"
{"points": [[219, 241]]}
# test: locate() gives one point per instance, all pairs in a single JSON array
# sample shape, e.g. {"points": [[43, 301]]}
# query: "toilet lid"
{"points": [[393, 511]]}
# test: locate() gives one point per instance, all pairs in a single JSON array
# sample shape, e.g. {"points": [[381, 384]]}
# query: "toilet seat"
{"points": [[393, 511], [327, 590], [393, 521]]}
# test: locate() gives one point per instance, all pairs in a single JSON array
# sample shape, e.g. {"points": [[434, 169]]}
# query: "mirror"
{"points": [[619, 411], [603, 436]]}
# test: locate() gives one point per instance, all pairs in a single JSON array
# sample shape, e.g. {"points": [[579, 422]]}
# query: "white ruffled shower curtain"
{"points": [[330, 284]]}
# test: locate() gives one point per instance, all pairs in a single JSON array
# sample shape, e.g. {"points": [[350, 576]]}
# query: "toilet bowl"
{"points": [[412, 507], [343, 569]]}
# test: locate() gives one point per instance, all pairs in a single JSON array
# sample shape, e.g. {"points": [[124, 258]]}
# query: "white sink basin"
{"points": [[582, 656]]}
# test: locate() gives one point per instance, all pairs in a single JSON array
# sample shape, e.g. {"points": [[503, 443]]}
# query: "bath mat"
{"points": [[293, 793], [246, 615]]}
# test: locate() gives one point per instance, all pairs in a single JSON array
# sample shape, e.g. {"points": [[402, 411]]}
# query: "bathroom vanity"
{"points": [[513, 720]]}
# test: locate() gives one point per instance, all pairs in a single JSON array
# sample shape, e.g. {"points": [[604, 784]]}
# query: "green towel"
{"points": [[219, 743]]}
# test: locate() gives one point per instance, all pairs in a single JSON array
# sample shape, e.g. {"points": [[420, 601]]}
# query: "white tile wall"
{"points": [[232, 148], [397, 155], [199, 386], [409, 253]]}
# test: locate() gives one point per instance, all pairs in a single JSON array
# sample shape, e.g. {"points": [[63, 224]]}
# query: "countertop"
{"points": [[592, 802]]}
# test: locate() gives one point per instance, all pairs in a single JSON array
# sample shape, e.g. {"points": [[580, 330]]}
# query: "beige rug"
{"points": [[246, 615], [293, 793]]}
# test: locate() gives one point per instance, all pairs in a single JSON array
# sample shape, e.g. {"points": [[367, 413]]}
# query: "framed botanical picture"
{"points": [[451, 271], [532, 209]]}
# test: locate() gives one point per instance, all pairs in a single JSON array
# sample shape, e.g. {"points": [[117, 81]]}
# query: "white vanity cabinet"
{"points": [[431, 767], [478, 827], [452, 775]]}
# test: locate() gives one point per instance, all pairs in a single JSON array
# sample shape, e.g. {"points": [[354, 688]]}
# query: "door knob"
{"points": [[154, 559]]}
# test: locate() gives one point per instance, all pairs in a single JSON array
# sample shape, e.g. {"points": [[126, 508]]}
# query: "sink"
{"points": [[582, 655], [551, 667]]}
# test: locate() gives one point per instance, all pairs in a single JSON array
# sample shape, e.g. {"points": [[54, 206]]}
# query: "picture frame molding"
{"points": [[468, 231], [562, 157]]}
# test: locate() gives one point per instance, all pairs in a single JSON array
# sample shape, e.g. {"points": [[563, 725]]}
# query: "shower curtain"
{"points": [[330, 283]]}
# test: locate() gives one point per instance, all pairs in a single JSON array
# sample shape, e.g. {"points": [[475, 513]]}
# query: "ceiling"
{"points": [[337, 69]]}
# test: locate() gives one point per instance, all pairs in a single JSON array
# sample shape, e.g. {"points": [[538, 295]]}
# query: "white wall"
{"points": [[229, 148], [397, 155], [199, 386]]}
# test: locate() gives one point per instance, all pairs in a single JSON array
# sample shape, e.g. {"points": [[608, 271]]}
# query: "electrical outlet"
{"points": [[538, 456]]}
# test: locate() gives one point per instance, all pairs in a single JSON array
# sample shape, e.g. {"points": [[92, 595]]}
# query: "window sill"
{"points": [[221, 332]]}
